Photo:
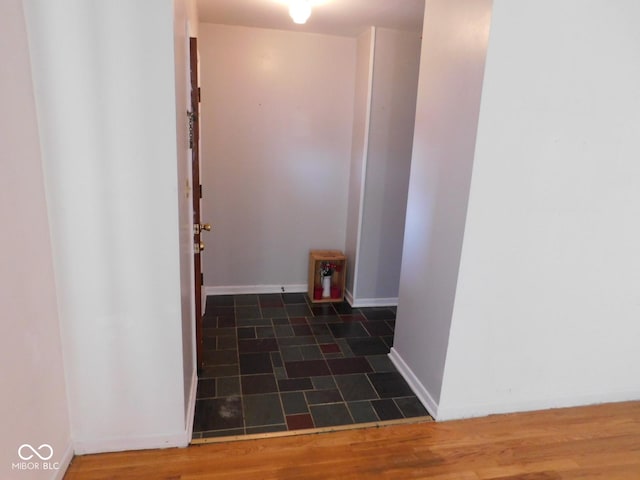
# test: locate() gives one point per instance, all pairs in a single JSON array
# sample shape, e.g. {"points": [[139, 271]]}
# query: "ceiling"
{"points": [[330, 17]]}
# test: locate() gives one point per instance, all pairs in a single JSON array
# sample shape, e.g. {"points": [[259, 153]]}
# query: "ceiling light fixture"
{"points": [[300, 10]]}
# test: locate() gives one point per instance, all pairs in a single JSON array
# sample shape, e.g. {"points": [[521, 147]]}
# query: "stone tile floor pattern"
{"points": [[277, 362]]}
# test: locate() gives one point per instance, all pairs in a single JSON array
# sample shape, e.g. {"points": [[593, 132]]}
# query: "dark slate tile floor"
{"points": [[278, 362]]}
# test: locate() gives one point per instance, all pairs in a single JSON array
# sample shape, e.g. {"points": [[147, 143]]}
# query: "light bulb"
{"points": [[300, 10]]}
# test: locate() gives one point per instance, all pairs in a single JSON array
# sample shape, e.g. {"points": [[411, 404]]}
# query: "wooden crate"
{"points": [[316, 258]]}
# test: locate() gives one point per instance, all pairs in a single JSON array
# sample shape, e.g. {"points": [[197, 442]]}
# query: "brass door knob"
{"points": [[201, 246], [205, 226]]}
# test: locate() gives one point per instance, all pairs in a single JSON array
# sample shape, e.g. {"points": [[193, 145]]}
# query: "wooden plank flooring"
{"points": [[597, 442]]}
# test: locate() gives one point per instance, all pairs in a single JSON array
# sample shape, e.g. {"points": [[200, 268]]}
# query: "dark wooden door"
{"points": [[194, 126]]}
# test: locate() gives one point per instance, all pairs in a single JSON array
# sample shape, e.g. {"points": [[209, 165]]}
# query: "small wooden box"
{"points": [[316, 259]]}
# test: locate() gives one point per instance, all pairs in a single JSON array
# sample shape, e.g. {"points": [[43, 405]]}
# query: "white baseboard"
{"points": [[295, 288], [64, 461], [255, 289], [418, 388], [375, 302], [369, 302], [191, 405], [444, 412], [348, 296], [119, 444], [528, 405]]}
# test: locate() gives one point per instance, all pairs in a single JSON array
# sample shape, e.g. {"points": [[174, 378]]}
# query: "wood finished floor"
{"points": [[596, 442]]}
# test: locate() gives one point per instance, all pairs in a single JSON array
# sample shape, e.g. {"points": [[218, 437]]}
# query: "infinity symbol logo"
{"points": [[44, 452]]}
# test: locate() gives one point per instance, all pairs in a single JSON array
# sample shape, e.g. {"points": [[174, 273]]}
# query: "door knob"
{"points": [[201, 246], [199, 227], [198, 247]]}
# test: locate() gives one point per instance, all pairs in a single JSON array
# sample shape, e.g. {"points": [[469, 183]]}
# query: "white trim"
{"points": [[416, 385], [484, 409], [365, 156], [444, 413], [120, 444], [373, 302], [255, 289], [64, 461], [191, 405], [348, 296]]}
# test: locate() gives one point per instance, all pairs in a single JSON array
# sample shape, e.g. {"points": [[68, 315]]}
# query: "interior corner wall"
{"points": [[390, 138], [454, 43], [359, 145], [277, 111], [547, 306], [34, 401], [104, 76]]}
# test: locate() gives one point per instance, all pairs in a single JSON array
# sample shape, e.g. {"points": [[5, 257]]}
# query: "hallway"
{"points": [[277, 362]]}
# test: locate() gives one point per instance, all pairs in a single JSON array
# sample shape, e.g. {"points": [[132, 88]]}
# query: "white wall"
{"points": [[276, 139], [548, 304], [455, 36], [34, 400], [185, 204], [359, 145], [106, 99], [390, 140]]}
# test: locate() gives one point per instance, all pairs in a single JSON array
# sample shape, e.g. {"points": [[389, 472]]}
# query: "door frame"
{"points": [[194, 134]]}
